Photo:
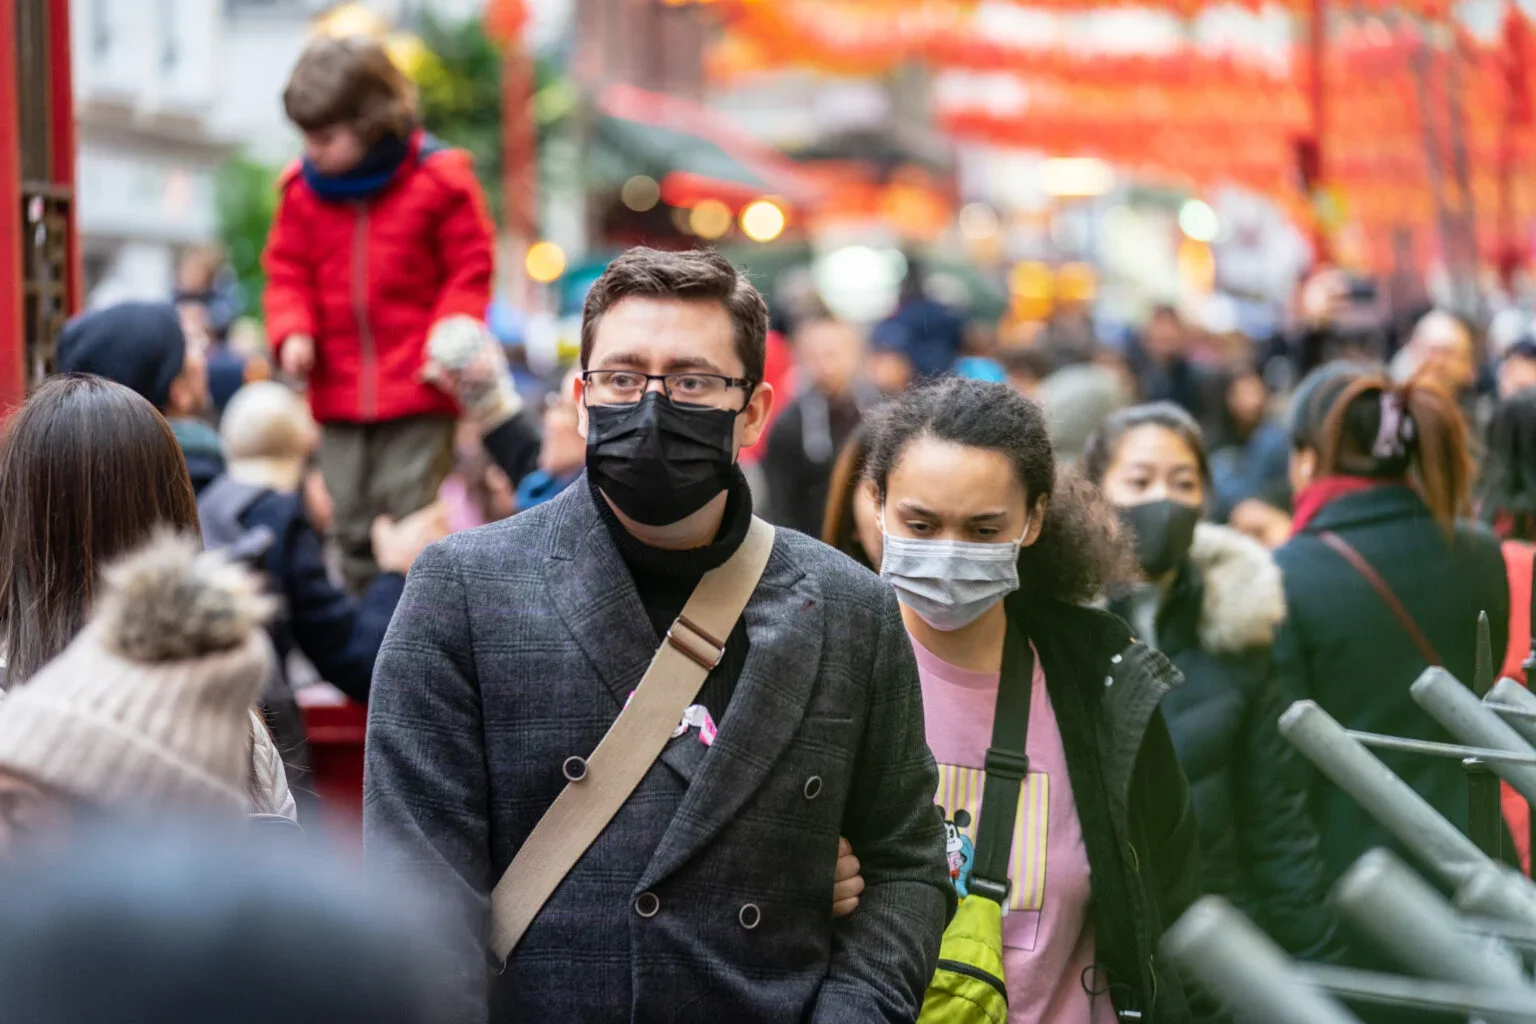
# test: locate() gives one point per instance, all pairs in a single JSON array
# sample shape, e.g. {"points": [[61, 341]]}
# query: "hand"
{"points": [[298, 356], [1261, 521], [848, 884], [467, 361], [397, 544]]}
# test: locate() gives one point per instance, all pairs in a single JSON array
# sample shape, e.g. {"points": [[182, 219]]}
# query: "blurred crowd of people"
{"points": [[1095, 570]]}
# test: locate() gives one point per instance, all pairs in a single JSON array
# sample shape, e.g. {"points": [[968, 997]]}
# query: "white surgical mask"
{"points": [[950, 583]]}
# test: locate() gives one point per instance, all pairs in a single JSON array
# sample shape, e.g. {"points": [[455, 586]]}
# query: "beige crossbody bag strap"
{"points": [[599, 786]]}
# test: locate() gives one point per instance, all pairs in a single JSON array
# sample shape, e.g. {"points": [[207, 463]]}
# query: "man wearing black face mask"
{"points": [[702, 893]]}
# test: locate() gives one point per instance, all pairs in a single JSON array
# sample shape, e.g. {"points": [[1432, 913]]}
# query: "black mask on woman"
{"points": [[660, 462], [1164, 531]]}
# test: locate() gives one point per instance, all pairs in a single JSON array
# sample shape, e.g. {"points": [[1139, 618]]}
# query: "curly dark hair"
{"points": [[1081, 551]]}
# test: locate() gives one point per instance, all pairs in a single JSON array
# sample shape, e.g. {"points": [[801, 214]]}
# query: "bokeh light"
{"points": [[978, 222], [640, 193], [545, 262], [762, 220], [710, 219], [1198, 221]]}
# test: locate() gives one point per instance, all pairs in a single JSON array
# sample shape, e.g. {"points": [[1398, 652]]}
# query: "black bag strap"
{"points": [[1357, 561], [1007, 765]]}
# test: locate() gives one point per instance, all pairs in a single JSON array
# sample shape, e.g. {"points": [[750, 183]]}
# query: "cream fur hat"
{"points": [[148, 709]]}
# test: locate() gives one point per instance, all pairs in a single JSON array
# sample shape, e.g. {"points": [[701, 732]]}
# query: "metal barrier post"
{"points": [[1485, 818], [1402, 913], [1381, 792], [1226, 953]]}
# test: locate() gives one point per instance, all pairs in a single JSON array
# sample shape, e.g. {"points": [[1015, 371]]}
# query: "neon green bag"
{"points": [[968, 987]]}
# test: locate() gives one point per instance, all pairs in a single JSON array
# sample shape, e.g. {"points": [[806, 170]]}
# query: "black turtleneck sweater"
{"points": [[665, 579]]}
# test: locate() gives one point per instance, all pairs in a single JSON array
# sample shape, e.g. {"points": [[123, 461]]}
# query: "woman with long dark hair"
{"points": [[1382, 579], [992, 555], [851, 524], [89, 472], [1211, 600]]}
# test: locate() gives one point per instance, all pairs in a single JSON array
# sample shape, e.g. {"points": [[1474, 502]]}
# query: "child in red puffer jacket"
{"points": [[381, 234]]}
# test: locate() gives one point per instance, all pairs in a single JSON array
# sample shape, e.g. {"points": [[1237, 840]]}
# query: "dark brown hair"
{"points": [[88, 472], [350, 82], [702, 275], [838, 527], [1081, 551], [1361, 424], [1099, 453]]}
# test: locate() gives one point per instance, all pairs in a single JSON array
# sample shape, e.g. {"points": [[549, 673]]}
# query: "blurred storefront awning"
{"points": [[691, 152]]}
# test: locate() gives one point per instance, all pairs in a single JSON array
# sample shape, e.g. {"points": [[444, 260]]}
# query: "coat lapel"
{"points": [[594, 593], [784, 628]]}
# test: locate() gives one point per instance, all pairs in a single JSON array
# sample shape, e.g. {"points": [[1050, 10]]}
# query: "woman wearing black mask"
{"points": [[1211, 600], [991, 556]]}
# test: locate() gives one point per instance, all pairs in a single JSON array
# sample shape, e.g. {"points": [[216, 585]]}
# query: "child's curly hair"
{"points": [[350, 82]]}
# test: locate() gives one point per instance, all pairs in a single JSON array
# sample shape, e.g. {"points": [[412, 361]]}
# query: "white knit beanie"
{"points": [[148, 709]]}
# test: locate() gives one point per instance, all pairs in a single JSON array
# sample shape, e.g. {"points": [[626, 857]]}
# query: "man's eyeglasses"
{"points": [[623, 387]]}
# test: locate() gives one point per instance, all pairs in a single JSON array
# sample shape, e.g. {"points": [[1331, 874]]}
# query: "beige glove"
{"points": [[466, 360]]}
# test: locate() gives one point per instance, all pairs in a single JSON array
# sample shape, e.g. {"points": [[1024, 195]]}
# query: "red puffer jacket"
{"points": [[368, 279]]}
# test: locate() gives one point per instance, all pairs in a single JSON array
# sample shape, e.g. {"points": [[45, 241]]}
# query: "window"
{"points": [[101, 29], [170, 45]]}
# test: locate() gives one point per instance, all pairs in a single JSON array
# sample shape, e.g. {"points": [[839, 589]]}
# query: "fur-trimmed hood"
{"points": [[1244, 598]]}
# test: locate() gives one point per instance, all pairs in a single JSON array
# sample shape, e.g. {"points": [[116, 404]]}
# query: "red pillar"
{"points": [[61, 117], [12, 341]]}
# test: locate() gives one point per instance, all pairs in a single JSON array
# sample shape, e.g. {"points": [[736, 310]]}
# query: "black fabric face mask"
{"points": [[660, 462], [1164, 531]]}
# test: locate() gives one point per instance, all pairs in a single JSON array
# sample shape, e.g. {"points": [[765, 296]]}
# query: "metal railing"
{"points": [[1470, 953]]}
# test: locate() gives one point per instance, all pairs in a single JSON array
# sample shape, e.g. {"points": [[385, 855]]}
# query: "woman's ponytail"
{"points": [[1443, 462], [1372, 428]]}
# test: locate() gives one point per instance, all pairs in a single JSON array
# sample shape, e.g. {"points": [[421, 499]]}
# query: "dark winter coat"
{"points": [[339, 635], [1258, 845], [1132, 799], [516, 645], [802, 446], [1341, 646]]}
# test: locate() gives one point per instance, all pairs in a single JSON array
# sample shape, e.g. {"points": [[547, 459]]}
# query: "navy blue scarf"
{"points": [[371, 176]]}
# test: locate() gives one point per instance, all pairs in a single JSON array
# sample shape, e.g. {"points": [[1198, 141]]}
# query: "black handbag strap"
{"points": [[1007, 765]]}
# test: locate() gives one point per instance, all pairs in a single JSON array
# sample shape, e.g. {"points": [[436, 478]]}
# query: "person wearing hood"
{"points": [[143, 346], [1212, 601]]}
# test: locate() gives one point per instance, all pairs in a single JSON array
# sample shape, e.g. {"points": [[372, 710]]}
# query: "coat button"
{"points": [[1109, 681], [813, 787], [749, 916], [574, 769], [1116, 660], [647, 904]]}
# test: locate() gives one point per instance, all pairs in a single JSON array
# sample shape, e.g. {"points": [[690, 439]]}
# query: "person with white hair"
{"points": [[256, 512]]}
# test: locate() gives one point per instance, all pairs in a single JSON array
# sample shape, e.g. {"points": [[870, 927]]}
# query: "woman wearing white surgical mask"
{"points": [[991, 556]]}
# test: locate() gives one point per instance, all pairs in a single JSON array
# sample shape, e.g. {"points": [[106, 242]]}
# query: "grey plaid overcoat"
{"points": [[515, 646]]}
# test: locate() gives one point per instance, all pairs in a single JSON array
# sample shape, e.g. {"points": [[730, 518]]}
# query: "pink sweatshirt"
{"points": [[1048, 947]]}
